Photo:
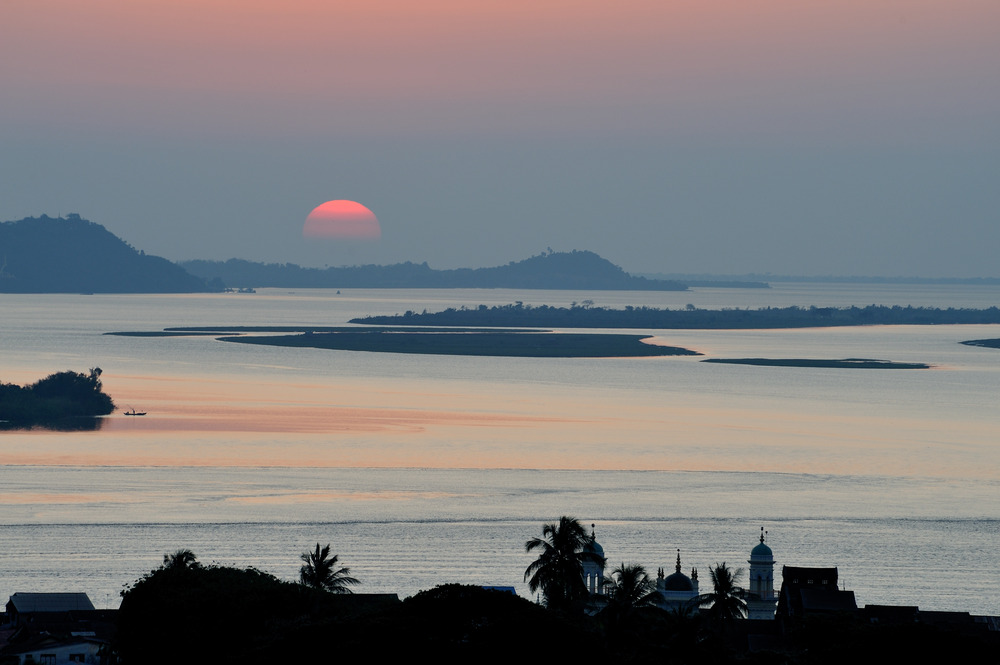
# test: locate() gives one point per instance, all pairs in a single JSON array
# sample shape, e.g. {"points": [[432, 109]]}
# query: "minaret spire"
{"points": [[762, 600]]}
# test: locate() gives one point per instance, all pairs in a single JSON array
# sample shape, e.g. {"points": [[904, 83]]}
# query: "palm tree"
{"points": [[681, 626], [181, 560], [629, 587], [319, 570], [558, 570], [725, 602]]}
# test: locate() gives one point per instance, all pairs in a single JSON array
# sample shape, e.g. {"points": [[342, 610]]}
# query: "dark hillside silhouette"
{"points": [[551, 270], [73, 255]]}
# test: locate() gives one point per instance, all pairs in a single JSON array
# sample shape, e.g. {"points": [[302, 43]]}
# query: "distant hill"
{"points": [[73, 255], [553, 270]]}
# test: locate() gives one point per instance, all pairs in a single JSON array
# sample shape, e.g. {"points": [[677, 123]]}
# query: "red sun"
{"points": [[342, 219]]}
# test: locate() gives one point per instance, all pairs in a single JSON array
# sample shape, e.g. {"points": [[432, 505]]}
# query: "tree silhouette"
{"points": [[319, 570], [181, 560], [558, 570], [725, 602], [630, 587]]}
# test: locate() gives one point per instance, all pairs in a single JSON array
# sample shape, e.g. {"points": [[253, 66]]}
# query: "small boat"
{"points": [[133, 412]]}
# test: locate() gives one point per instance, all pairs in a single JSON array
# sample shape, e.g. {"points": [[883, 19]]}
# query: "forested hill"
{"points": [[73, 255], [553, 270]]}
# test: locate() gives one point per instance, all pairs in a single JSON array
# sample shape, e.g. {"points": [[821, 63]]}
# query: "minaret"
{"points": [[593, 572], [762, 600]]}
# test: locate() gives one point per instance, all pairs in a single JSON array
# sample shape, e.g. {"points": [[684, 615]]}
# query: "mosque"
{"points": [[678, 590]]}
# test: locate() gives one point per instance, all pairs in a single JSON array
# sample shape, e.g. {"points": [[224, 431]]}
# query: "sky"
{"points": [[827, 137]]}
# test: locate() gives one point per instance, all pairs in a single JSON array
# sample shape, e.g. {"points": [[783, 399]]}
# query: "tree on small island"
{"points": [[61, 395]]}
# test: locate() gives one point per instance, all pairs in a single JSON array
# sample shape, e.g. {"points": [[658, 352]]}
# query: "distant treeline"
{"points": [[755, 279], [579, 316], [551, 270], [57, 396]]}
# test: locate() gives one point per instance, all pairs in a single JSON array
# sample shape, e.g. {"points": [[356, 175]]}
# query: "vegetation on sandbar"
{"points": [[986, 343], [690, 318], [56, 397]]}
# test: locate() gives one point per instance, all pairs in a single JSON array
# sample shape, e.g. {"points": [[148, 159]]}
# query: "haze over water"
{"points": [[428, 469]]}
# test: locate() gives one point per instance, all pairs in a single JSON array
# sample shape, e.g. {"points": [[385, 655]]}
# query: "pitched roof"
{"points": [[49, 602], [826, 600]]}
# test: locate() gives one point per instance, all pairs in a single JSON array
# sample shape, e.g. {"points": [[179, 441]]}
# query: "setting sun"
{"points": [[342, 219]]}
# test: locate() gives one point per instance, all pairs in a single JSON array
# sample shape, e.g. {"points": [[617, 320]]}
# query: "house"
{"points": [[48, 649], [810, 590], [56, 628], [22, 607]]}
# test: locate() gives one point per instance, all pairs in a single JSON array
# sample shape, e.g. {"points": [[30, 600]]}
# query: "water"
{"points": [[423, 470]]}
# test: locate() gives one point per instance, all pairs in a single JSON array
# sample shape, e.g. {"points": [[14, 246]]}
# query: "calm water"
{"points": [[422, 470]]}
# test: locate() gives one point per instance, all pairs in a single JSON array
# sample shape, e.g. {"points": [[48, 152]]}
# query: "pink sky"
{"points": [[400, 66], [719, 136]]}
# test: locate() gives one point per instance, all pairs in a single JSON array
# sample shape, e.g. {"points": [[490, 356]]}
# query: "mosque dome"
{"points": [[761, 550], [678, 581], [593, 547]]}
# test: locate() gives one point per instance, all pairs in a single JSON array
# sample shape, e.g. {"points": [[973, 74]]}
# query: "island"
{"points": [[524, 343], [65, 400], [985, 343], [477, 343], [690, 318]]}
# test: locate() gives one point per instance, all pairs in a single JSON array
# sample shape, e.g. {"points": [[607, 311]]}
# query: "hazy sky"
{"points": [[727, 136]]}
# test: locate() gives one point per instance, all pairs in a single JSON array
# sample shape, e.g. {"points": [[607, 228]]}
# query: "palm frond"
{"points": [[319, 570], [558, 570]]}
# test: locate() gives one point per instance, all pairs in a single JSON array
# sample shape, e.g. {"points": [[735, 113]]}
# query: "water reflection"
{"points": [[55, 425]]}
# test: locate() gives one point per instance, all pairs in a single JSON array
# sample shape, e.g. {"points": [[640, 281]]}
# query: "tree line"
{"points": [[585, 315], [548, 270]]}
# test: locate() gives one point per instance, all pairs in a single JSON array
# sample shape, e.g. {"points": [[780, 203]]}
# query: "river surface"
{"points": [[422, 470]]}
